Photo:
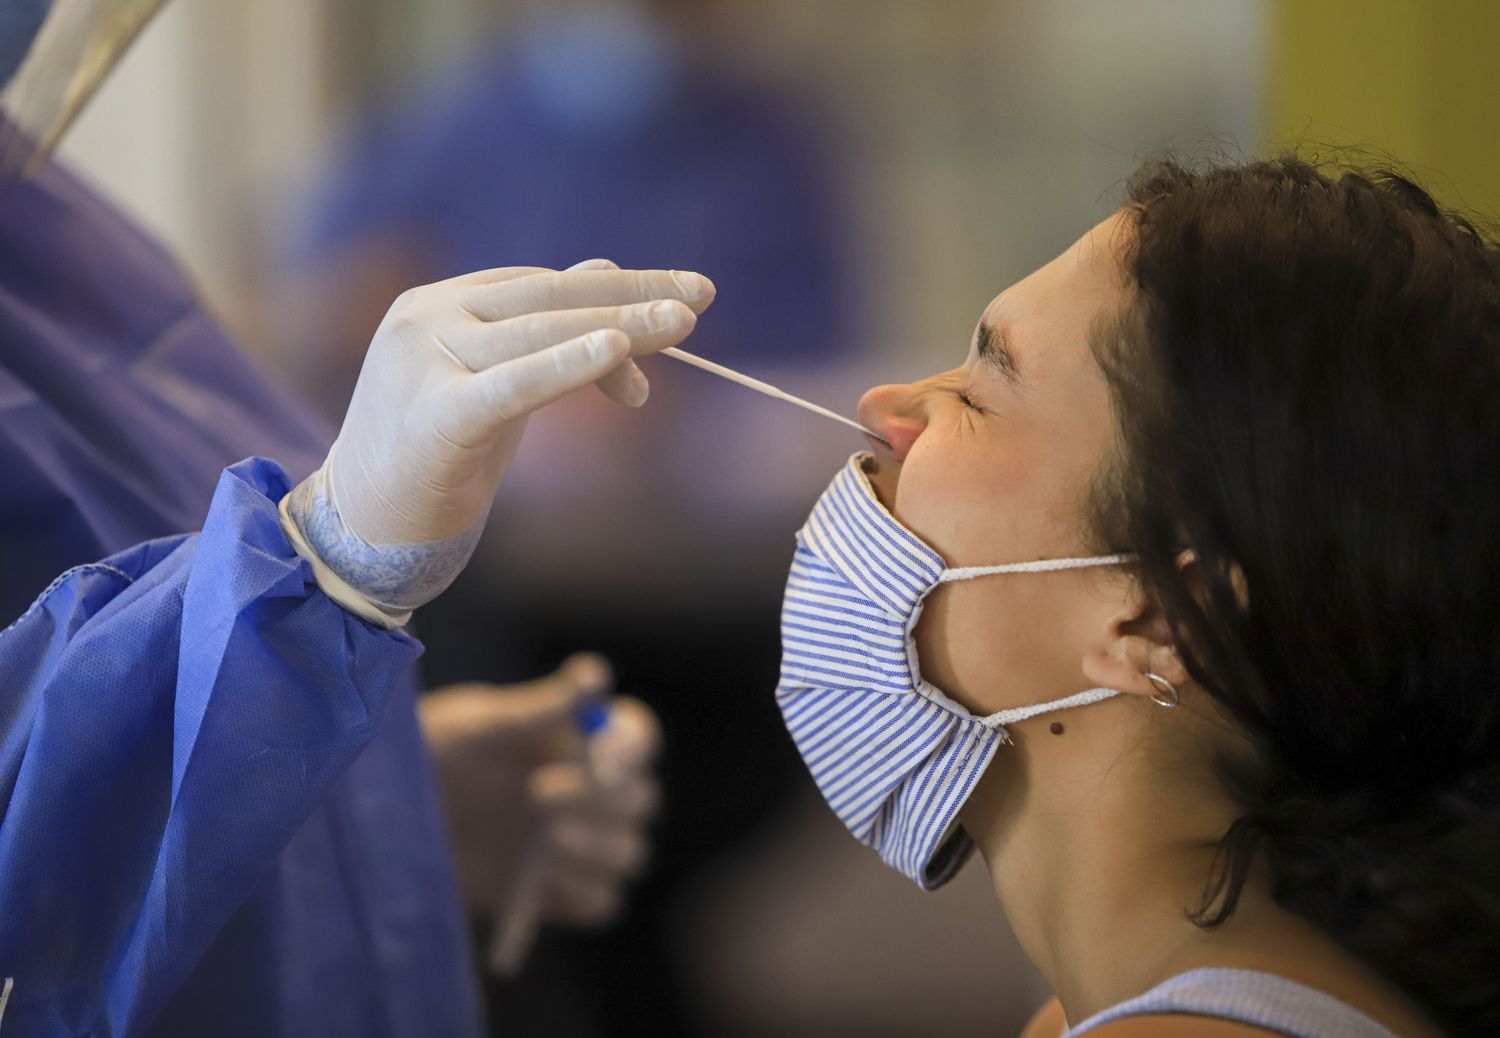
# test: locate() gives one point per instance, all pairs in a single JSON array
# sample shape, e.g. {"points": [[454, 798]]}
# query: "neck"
{"points": [[1099, 849], [1096, 855]]}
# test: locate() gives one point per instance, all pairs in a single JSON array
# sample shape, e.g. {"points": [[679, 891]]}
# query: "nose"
{"points": [[891, 411]]}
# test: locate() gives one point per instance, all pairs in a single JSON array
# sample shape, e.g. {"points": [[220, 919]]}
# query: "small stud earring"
{"points": [[1167, 696]]}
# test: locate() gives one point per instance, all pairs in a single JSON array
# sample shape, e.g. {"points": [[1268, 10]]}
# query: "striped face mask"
{"points": [[894, 757]]}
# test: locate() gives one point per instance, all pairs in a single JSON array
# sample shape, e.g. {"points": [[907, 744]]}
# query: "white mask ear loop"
{"points": [[1042, 566], [1020, 713], [1000, 719]]}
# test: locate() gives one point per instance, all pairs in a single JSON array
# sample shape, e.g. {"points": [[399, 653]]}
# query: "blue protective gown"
{"points": [[218, 813]]}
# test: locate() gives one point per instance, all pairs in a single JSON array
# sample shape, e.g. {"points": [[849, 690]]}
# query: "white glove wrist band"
{"points": [[382, 583], [334, 586]]}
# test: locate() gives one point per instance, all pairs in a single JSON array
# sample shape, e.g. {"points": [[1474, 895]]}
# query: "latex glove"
{"points": [[393, 514], [520, 785]]}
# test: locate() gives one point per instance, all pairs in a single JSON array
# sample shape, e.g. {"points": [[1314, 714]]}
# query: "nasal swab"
{"points": [[762, 387]]}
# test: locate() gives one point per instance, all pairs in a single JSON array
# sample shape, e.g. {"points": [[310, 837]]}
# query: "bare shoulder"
{"points": [[1177, 1026], [1046, 1022]]}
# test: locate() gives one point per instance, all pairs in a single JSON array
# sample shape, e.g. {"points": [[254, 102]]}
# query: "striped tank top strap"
{"points": [[1247, 997]]}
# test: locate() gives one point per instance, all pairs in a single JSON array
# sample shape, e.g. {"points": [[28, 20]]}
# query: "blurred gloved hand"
{"points": [[393, 514], [521, 786]]}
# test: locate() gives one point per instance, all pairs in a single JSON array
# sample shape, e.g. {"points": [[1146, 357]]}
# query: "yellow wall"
{"points": [[1419, 79]]}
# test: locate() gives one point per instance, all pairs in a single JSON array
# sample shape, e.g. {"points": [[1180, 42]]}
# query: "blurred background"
{"points": [[859, 177]]}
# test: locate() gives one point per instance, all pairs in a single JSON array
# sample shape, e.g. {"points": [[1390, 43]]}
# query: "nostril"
{"points": [[883, 410], [900, 433]]}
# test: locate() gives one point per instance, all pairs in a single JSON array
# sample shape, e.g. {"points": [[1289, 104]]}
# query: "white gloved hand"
{"points": [[393, 514], [522, 789]]}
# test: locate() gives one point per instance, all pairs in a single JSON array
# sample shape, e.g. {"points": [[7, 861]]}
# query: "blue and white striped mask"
{"points": [[894, 757]]}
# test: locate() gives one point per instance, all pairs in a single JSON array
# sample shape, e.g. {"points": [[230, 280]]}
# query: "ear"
{"points": [[1136, 640]]}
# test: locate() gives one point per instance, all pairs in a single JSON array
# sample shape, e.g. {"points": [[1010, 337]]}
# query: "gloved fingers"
{"points": [[568, 788], [585, 847], [536, 715], [588, 672], [482, 717], [629, 740], [560, 786], [489, 398], [493, 276], [651, 326], [573, 289], [581, 900], [517, 727], [626, 385]]}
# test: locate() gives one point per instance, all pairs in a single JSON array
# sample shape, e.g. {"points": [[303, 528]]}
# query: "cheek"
{"points": [[1000, 642], [969, 635], [963, 500], [946, 650]]}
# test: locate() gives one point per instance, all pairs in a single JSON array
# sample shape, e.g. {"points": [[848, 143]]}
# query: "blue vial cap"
{"points": [[591, 716]]}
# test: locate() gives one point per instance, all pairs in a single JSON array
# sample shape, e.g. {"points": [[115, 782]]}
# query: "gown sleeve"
{"points": [[168, 718]]}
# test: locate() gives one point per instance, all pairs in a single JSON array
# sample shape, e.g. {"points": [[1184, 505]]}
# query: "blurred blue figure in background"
{"points": [[614, 129], [601, 130]]}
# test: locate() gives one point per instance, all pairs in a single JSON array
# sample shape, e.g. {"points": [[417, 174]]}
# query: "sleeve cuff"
{"points": [[332, 584]]}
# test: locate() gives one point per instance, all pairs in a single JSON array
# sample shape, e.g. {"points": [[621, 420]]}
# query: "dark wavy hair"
{"points": [[1307, 382]]}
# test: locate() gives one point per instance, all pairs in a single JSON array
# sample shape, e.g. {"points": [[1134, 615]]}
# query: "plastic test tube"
{"points": [[517, 920]]}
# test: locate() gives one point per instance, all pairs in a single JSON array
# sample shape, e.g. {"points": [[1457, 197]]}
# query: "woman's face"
{"points": [[990, 462]]}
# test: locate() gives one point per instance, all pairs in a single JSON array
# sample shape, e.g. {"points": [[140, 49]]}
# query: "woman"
{"points": [[1253, 420]]}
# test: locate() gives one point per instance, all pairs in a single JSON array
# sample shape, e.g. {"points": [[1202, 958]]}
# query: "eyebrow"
{"points": [[994, 351]]}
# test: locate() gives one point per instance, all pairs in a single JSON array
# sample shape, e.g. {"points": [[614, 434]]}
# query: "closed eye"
{"points": [[968, 401]]}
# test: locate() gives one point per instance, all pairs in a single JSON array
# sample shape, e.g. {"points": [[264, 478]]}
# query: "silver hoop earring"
{"points": [[1171, 697]]}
